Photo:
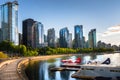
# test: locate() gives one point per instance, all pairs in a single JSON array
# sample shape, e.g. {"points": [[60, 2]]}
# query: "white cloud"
{"points": [[112, 31], [111, 35]]}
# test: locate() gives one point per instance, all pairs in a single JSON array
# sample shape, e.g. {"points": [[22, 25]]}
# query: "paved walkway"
{"points": [[9, 71]]}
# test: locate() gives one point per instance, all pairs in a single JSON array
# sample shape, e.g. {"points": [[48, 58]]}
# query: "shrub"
{"points": [[2, 55]]}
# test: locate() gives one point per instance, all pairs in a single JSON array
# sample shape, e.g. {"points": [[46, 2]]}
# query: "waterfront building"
{"points": [[103, 45], [38, 34], [84, 43], [28, 32], [45, 41], [51, 37], [70, 40], [9, 22], [92, 38], [45, 38], [78, 32], [64, 36], [33, 33], [20, 38], [115, 47], [57, 43], [0, 35]]}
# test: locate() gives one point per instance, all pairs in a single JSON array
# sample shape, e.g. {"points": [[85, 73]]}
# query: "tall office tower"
{"points": [[20, 38], [0, 35], [51, 37], [38, 35], [45, 38], [78, 32], [28, 30], [84, 43], [70, 40], [64, 37], [92, 38], [9, 22]]}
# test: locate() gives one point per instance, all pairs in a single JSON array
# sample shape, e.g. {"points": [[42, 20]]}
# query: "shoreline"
{"points": [[24, 62], [19, 65]]}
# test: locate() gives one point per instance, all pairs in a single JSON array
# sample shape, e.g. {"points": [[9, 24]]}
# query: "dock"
{"points": [[64, 69], [71, 65], [91, 76]]}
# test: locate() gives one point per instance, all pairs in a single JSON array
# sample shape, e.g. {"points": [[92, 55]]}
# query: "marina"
{"points": [[98, 67], [106, 70]]}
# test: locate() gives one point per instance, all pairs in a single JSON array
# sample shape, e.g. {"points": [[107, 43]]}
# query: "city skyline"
{"points": [[102, 15]]}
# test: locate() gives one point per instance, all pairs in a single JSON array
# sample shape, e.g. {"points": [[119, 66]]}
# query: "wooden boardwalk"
{"points": [[9, 71]]}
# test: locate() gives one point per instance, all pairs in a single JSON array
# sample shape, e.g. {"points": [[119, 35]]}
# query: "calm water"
{"points": [[39, 70]]}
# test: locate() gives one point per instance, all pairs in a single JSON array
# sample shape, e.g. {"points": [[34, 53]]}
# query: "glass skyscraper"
{"points": [[92, 38], [51, 37], [64, 37], [9, 22], [0, 35], [33, 33], [70, 40], [78, 31], [28, 32], [38, 34]]}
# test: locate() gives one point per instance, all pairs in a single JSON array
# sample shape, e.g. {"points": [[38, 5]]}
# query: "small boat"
{"points": [[78, 60]]}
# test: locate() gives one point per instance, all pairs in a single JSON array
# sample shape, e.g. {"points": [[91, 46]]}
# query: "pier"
{"points": [[71, 65], [64, 69]]}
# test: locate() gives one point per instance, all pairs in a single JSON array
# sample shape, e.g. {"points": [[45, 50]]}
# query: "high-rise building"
{"points": [[92, 38], [64, 37], [51, 37], [38, 35], [20, 38], [45, 38], [84, 43], [78, 32], [28, 30], [9, 22], [70, 40], [0, 35], [33, 33]]}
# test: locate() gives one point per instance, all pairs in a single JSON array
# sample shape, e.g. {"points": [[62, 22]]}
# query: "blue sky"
{"points": [[104, 15]]}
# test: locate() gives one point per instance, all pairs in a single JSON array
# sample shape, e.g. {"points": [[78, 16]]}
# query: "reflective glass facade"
{"points": [[78, 29], [0, 35], [9, 22], [28, 31], [51, 37], [92, 38], [38, 35], [70, 40], [64, 37]]}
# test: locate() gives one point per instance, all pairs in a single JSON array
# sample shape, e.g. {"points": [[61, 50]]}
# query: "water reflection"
{"points": [[65, 75], [32, 70], [40, 70]]}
